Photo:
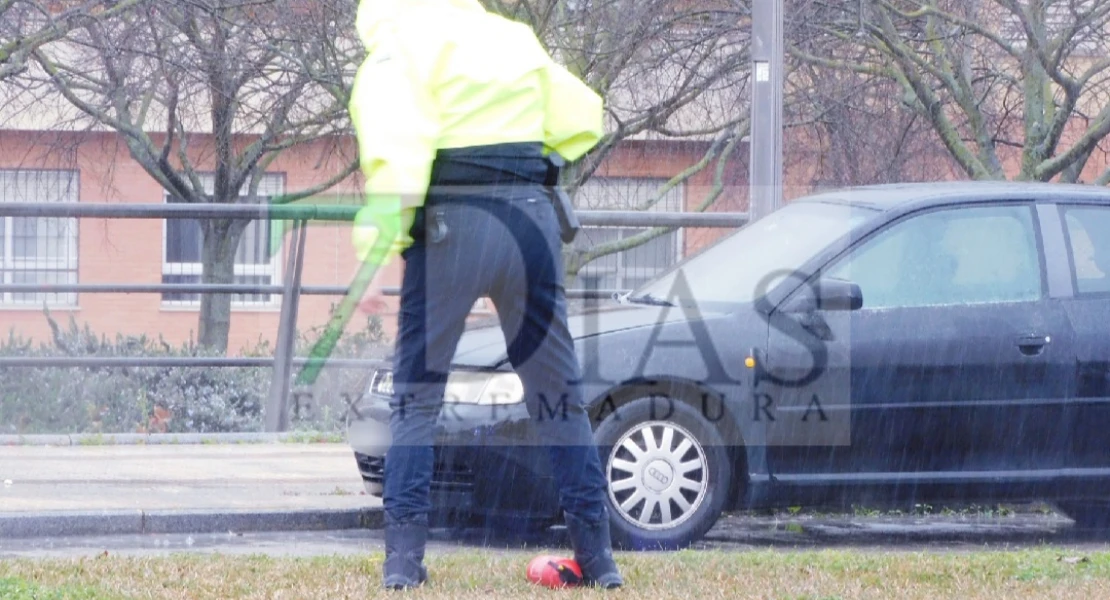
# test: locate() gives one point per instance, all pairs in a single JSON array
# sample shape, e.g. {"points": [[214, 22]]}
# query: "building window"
{"points": [[256, 262], [627, 269], [38, 250]]}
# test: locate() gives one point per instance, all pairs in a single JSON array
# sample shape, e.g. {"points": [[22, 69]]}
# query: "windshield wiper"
{"points": [[648, 299]]}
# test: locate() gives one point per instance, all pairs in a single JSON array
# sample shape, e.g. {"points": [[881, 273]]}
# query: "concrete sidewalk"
{"points": [[180, 488]]}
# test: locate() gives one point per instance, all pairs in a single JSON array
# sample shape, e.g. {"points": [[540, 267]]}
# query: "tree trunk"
{"points": [[221, 240]]}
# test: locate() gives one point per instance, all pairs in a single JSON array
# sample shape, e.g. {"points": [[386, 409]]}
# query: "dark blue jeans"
{"points": [[507, 249]]}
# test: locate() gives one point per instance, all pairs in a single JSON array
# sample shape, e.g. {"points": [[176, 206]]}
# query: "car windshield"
{"points": [[748, 262]]}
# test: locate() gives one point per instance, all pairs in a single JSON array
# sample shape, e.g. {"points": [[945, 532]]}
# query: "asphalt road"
{"points": [[734, 533]]}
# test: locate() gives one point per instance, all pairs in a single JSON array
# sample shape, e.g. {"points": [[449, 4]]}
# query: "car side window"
{"points": [[972, 255], [1089, 240]]}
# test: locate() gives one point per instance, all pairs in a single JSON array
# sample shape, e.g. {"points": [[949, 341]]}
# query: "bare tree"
{"points": [[850, 129], [1011, 88], [668, 71], [25, 25], [226, 86]]}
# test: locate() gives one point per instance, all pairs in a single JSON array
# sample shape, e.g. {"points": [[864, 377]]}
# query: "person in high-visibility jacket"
{"points": [[458, 113]]}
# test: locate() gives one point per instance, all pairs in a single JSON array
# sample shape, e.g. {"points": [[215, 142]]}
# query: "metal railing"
{"points": [[276, 410]]}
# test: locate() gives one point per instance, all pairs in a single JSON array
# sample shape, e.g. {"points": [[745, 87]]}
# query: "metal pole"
{"points": [[636, 218], [203, 210], [119, 362], [277, 409], [335, 215], [765, 155]]}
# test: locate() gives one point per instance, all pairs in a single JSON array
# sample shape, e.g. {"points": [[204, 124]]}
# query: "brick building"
{"points": [[95, 167]]}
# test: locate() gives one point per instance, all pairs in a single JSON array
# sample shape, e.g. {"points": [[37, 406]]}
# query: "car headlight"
{"points": [[466, 387], [485, 389], [381, 384]]}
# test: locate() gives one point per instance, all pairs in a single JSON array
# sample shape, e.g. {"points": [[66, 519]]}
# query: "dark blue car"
{"points": [[908, 343]]}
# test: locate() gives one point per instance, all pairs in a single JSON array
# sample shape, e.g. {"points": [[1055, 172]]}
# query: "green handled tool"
{"points": [[347, 307]]}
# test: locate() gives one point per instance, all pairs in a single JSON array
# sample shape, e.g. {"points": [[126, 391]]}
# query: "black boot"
{"points": [[593, 551], [404, 556]]}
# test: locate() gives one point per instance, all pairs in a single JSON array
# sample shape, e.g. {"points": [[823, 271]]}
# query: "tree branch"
{"points": [[1086, 143], [732, 137]]}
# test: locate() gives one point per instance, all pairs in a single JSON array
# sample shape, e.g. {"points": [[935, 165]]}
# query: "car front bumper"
{"points": [[487, 461]]}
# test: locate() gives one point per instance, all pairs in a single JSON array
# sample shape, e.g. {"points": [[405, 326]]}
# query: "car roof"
{"points": [[892, 196]]}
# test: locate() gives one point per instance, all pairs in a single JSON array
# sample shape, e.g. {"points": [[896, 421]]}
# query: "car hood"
{"points": [[483, 346]]}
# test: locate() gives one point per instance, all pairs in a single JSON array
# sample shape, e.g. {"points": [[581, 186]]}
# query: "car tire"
{"points": [[691, 478], [1088, 515]]}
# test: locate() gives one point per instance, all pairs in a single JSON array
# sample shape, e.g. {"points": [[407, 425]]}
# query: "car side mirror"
{"points": [[838, 294], [829, 294]]}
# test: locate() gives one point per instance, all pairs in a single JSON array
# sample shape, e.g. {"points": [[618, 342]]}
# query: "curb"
{"points": [[136, 522], [109, 439]]}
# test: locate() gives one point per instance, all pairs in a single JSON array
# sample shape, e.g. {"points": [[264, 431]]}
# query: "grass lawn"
{"points": [[765, 575]]}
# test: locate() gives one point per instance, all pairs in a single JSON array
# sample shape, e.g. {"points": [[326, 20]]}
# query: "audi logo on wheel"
{"points": [[659, 476]]}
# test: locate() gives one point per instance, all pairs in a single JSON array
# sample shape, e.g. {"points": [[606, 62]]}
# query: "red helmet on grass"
{"points": [[554, 571]]}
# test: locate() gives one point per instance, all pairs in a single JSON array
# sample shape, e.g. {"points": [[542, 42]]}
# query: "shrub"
{"points": [[160, 399]]}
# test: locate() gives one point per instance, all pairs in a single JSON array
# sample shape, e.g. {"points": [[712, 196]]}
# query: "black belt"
{"points": [[500, 166]]}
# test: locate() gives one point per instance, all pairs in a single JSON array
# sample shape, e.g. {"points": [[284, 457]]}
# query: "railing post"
{"points": [[277, 408]]}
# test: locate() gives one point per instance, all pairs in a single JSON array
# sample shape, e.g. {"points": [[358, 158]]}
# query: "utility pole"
{"points": [[765, 148]]}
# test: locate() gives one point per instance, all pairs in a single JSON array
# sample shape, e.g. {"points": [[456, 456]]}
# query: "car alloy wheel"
{"points": [[658, 475], [668, 477]]}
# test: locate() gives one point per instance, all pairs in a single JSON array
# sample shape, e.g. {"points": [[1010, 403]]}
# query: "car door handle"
{"points": [[1032, 345]]}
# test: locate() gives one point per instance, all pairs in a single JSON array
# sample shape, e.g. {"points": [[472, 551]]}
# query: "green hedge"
{"points": [[62, 400]]}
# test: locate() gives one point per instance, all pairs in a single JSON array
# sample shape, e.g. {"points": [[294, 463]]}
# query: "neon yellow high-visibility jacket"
{"points": [[448, 74]]}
